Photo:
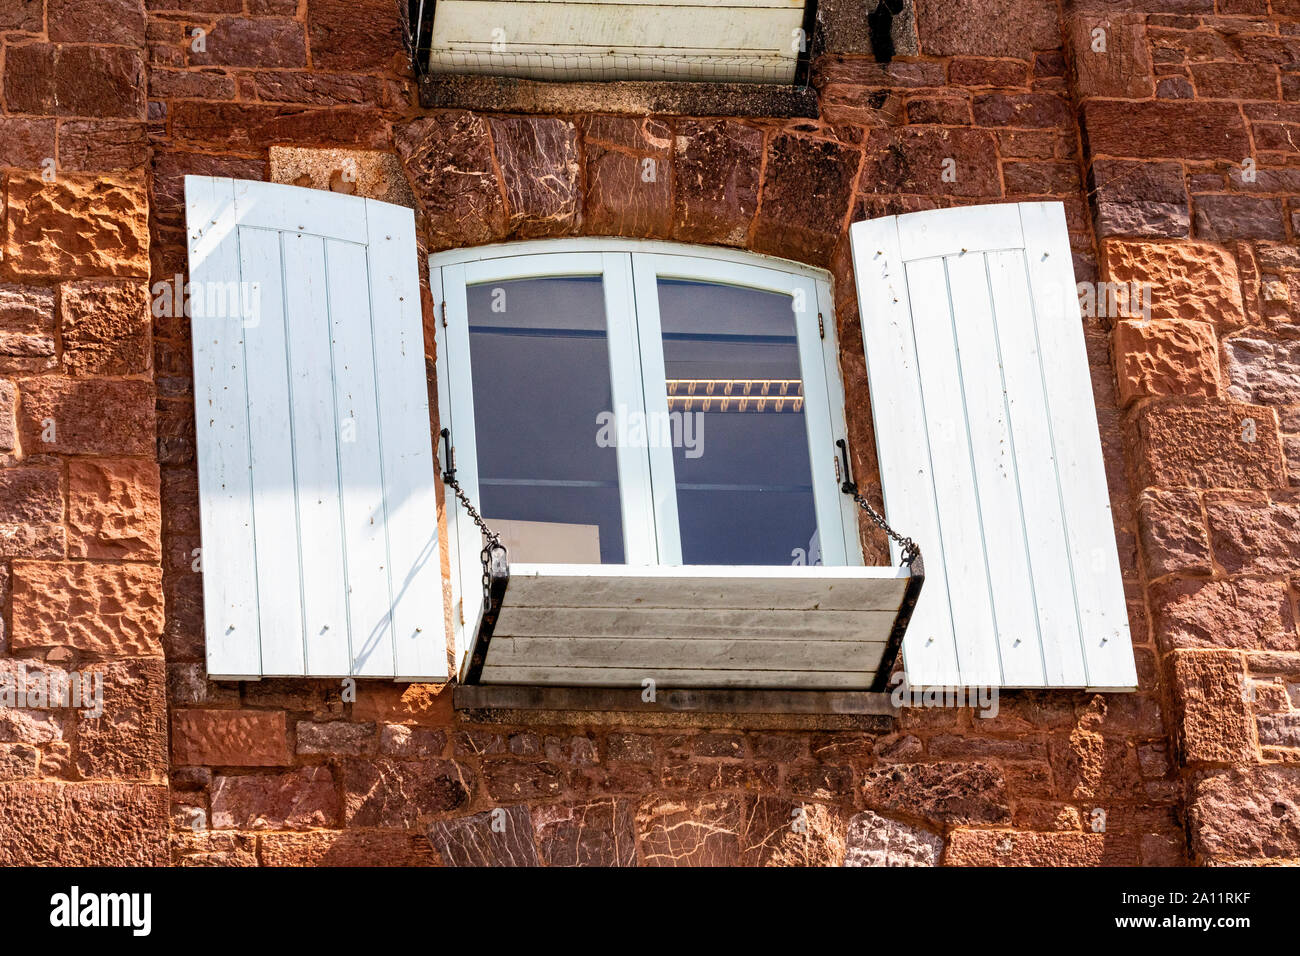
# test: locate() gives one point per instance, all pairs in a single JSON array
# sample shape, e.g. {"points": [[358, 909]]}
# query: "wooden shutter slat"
{"points": [[1090, 531], [906, 472], [364, 517], [221, 430], [955, 493], [316, 459], [1022, 372], [993, 455], [405, 427]]}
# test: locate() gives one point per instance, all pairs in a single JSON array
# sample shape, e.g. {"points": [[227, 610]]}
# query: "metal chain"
{"points": [[492, 540], [909, 548]]}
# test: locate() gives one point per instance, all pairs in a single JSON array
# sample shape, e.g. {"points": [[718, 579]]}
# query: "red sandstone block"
{"points": [[8, 427], [105, 326], [289, 801], [230, 738], [244, 125], [31, 513], [252, 41], [114, 610], [1239, 217], [1165, 358], [1032, 110], [77, 225], [97, 21], [1166, 129], [1210, 707], [1173, 532], [1243, 614], [1228, 820], [347, 848], [74, 80], [912, 160], [113, 509], [968, 71], [1013, 848], [1209, 446], [1236, 81], [1249, 533], [1110, 55], [83, 824], [26, 142], [87, 417], [353, 34]]}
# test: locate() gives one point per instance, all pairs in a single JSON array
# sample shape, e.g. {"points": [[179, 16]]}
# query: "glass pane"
{"points": [[735, 395], [539, 358]]}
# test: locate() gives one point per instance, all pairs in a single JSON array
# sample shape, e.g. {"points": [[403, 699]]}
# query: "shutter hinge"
{"points": [[821, 326], [444, 313]]}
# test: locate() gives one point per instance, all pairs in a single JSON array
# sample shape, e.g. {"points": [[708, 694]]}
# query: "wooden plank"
{"points": [[663, 678], [1085, 500], [899, 411], [694, 623], [948, 433], [316, 459], [1058, 628], [294, 209], [229, 555], [598, 699], [369, 598], [705, 586], [405, 444], [270, 430], [948, 232], [651, 654], [997, 485]]}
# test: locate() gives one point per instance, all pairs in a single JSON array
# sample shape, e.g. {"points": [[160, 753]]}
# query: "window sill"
{"points": [[690, 630], [742, 709], [501, 94]]}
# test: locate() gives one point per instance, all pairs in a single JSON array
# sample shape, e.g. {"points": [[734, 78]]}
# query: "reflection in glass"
{"points": [[744, 493], [539, 358]]}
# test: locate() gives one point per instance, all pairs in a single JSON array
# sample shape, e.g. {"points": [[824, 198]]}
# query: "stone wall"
{"points": [[99, 526]]}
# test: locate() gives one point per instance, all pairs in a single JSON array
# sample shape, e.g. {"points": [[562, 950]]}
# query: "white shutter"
{"points": [[988, 445], [316, 481]]}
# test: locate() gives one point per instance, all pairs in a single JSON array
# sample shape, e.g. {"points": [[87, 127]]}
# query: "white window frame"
{"points": [[629, 270]]}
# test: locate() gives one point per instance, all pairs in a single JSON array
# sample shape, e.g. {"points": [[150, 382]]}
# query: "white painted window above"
{"points": [[749, 41]]}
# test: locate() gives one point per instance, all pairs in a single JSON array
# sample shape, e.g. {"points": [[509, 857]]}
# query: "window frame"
{"points": [[629, 270]]}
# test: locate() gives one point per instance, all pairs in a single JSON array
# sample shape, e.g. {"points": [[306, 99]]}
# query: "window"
{"points": [[642, 403]]}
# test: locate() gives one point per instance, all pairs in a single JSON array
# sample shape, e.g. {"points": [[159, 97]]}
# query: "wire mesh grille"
{"points": [[786, 63]]}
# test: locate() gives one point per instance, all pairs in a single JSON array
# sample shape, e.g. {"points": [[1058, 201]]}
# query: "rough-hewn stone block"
{"points": [[114, 610], [1166, 358], [83, 824], [1214, 724], [1247, 813], [87, 417], [1165, 129], [1209, 446], [299, 800], [230, 738], [1244, 613], [31, 513], [77, 225], [114, 509], [1189, 280]]}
